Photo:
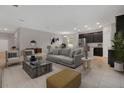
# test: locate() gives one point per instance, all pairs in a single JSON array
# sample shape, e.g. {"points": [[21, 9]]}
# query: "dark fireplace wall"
{"points": [[120, 24]]}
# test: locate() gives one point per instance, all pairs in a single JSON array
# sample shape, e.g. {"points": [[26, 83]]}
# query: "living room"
{"points": [[38, 47]]}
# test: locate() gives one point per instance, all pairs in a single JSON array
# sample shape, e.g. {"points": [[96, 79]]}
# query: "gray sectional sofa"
{"points": [[66, 56]]}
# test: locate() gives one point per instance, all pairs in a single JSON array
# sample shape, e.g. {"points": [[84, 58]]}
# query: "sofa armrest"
{"points": [[77, 59]]}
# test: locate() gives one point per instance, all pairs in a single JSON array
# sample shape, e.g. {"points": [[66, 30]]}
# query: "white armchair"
{"points": [[12, 57]]}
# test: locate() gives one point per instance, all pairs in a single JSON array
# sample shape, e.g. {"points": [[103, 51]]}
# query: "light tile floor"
{"points": [[100, 75]]}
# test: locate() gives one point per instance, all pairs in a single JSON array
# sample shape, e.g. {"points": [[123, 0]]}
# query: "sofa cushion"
{"points": [[66, 60], [75, 52], [60, 59], [59, 51], [50, 51], [78, 52], [55, 51], [16, 59], [65, 51], [72, 53], [53, 57]]}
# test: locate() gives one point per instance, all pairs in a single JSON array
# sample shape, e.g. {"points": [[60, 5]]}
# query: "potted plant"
{"points": [[119, 52]]}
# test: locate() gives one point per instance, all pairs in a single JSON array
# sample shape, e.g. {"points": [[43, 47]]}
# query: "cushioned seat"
{"points": [[61, 58], [66, 60], [53, 58], [67, 78], [65, 56]]}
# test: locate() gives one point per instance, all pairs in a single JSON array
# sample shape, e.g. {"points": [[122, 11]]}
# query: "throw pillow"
{"points": [[59, 51], [65, 51], [72, 53], [78, 52], [75, 52], [55, 51]]}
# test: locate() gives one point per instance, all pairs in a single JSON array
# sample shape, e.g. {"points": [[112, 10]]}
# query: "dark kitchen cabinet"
{"points": [[91, 37], [98, 52], [111, 58], [81, 36], [96, 37], [88, 38]]}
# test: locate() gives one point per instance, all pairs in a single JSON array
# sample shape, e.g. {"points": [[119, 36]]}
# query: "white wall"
{"points": [[16, 38], [42, 38], [74, 37], [113, 31], [92, 45], [108, 35], [3, 45], [9, 37]]}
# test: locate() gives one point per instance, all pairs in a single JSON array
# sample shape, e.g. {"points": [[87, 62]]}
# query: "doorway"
{"points": [[3, 49]]}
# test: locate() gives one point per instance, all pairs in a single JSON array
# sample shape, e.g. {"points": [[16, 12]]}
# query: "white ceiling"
{"points": [[58, 18]]}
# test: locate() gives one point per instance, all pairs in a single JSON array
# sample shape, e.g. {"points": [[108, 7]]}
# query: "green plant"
{"points": [[118, 47]]}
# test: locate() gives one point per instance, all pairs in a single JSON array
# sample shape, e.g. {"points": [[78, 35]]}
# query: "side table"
{"points": [[86, 62]]}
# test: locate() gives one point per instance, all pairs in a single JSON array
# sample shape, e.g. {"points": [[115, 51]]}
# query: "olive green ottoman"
{"points": [[67, 78]]}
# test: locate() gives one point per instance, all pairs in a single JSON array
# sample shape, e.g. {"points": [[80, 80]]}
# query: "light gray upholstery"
{"points": [[72, 53], [65, 51], [55, 51], [65, 59], [75, 52]]}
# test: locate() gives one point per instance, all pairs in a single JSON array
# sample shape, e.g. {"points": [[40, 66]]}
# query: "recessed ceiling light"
{"points": [[5, 29], [98, 23], [85, 26], [89, 28], [65, 36], [75, 28], [100, 26], [79, 30]]}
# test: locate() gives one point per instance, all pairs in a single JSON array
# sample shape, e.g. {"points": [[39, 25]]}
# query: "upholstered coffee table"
{"points": [[66, 78], [38, 69]]}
